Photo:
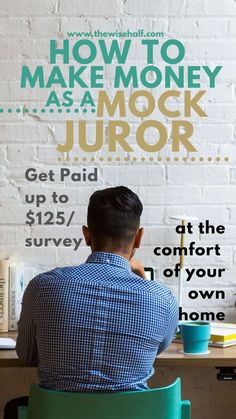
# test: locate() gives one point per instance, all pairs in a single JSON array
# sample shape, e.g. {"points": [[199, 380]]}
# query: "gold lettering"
{"points": [[119, 138], [150, 107], [111, 107], [178, 137], [192, 103], [162, 136], [90, 148], [162, 103], [63, 148]]}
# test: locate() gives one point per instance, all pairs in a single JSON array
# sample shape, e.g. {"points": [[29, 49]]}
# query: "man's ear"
{"points": [[138, 237], [87, 235]]}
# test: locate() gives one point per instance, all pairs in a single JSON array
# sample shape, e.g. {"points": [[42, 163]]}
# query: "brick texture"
{"points": [[204, 189]]}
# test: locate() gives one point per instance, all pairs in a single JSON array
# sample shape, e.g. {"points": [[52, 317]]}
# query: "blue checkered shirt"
{"points": [[95, 327]]}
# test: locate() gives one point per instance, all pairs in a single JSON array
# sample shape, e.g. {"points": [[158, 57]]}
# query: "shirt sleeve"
{"points": [[26, 343], [172, 322]]}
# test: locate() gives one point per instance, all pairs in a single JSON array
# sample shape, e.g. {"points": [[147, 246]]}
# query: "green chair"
{"points": [[158, 403]]}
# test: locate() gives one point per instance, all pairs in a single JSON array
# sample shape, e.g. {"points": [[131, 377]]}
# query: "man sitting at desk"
{"points": [[98, 326]]}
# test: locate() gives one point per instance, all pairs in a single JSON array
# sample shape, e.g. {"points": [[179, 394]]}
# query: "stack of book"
{"points": [[12, 286], [223, 335]]}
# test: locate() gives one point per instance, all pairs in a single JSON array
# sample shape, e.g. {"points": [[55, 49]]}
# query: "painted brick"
{"points": [[206, 190], [27, 8], [151, 8], [219, 8], [13, 27], [171, 195], [216, 175], [193, 8], [199, 28], [16, 154], [43, 27], [149, 175], [89, 7], [219, 195]]}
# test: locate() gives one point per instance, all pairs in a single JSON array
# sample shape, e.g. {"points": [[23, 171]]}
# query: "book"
{"points": [[223, 335], [223, 332], [4, 289], [16, 290], [7, 343], [223, 344]]}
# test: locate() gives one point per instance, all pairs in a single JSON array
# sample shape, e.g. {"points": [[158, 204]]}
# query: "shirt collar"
{"points": [[109, 259]]}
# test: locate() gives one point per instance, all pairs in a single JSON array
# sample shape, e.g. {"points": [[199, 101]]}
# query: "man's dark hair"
{"points": [[114, 216]]}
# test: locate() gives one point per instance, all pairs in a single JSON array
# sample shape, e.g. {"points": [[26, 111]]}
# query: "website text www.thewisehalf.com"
{"points": [[140, 33]]}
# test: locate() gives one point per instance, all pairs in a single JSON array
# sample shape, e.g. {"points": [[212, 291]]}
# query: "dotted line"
{"points": [[43, 110], [93, 110], [193, 159]]}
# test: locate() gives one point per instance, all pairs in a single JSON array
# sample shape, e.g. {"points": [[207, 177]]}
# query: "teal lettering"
{"points": [[54, 51], [170, 75], [75, 77], [87, 99], [92, 51], [68, 99], [212, 74], [95, 76], [145, 81], [180, 53], [108, 56], [120, 77], [150, 43], [56, 77], [53, 99], [37, 77], [192, 76]]}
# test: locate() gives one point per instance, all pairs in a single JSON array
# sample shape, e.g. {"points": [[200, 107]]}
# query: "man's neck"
{"points": [[114, 251]]}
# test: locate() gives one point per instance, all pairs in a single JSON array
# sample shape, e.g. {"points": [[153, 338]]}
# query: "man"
{"points": [[98, 326]]}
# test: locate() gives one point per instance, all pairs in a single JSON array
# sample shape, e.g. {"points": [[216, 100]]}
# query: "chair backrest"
{"points": [[159, 403]]}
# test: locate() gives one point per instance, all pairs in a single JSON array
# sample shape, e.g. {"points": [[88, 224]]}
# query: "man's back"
{"points": [[95, 327]]}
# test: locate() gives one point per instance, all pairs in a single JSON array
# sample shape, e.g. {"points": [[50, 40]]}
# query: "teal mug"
{"points": [[195, 337]]}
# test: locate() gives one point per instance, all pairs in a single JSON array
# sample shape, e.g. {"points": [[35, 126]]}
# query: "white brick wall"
{"points": [[207, 190], [203, 189]]}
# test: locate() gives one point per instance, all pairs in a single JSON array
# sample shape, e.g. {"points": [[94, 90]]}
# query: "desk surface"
{"points": [[217, 357], [172, 357]]}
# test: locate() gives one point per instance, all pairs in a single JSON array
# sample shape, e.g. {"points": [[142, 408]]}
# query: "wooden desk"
{"points": [[217, 357], [172, 357]]}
